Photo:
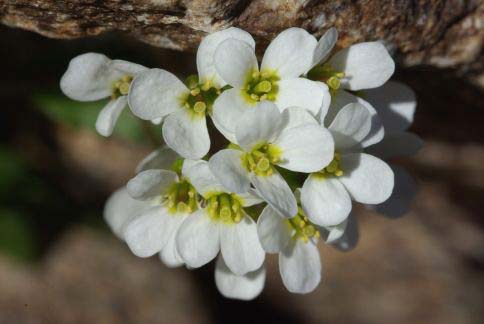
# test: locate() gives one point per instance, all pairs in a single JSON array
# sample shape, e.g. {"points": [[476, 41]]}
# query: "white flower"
{"points": [[326, 195], [222, 225], [361, 66], [287, 57], [92, 76], [395, 104], [244, 287], [149, 211], [268, 138], [295, 240], [158, 93]]}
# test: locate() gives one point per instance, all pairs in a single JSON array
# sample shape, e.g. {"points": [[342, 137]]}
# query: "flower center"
{"points": [[333, 169], [260, 86], [121, 86], [261, 159], [181, 197], [199, 100], [302, 227], [225, 207], [326, 74]]}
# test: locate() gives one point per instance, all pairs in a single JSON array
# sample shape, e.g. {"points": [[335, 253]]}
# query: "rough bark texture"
{"points": [[442, 33]]}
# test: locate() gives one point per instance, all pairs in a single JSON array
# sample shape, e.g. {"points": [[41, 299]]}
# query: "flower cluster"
{"points": [[306, 131]]}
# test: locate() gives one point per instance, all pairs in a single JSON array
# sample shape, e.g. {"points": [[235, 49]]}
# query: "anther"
{"points": [[195, 91]]}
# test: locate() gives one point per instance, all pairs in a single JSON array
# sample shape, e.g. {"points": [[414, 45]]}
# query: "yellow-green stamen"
{"points": [[260, 86], [181, 197], [333, 169], [121, 86], [302, 227], [225, 207], [200, 97], [327, 74], [261, 159]]}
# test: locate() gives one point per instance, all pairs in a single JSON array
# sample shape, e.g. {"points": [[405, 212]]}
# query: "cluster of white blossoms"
{"points": [[306, 131]]}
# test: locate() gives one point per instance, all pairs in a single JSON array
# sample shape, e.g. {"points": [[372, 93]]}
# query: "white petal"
{"points": [[395, 103], [188, 164], [88, 77], [276, 192], [403, 194], [334, 233], [296, 116], [250, 198], [187, 134], [148, 234], [325, 46], [240, 246], [300, 267], [260, 125], [162, 158], [109, 115], [326, 100], [344, 98], [350, 237], [128, 68], [302, 93], [198, 239], [306, 148], [206, 52], [169, 254], [202, 178], [368, 179], [290, 53], [155, 93], [246, 287], [325, 200], [350, 126], [396, 145], [157, 121], [273, 230], [150, 184], [228, 109], [366, 65], [227, 166], [234, 61], [120, 209]]}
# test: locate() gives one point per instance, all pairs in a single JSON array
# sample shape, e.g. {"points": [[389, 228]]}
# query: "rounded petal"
{"points": [[395, 103], [187, 134], [120, 209], [300, 267], [296, 116], [302, 93], [325, 46], [350, 126], [342, 99], [203, 179], [396, 145], [169, 254], [250, 198], [125, 67], [259, 125], [228, 109], [306, 148], [325, 200], [148, 234], [273, 230], [403, 194], [88, 77], [246, 287], [227, 166], [366, 65], [326, 101], [150, 184], [290, 53], [240, 246], [109, 115], [234, 61], [368, 179], [350, 237], [155, 93], [276, 192], [334, 233], [198, 239], [206, 52], [162, 158]]}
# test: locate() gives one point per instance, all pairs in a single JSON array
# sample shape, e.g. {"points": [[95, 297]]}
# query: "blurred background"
{"points": [[59, 263]]}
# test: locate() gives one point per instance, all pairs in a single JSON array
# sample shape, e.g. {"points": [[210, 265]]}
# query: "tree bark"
{"points": [[444, 34]]}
